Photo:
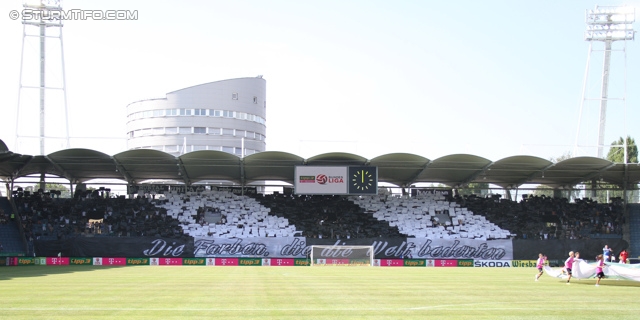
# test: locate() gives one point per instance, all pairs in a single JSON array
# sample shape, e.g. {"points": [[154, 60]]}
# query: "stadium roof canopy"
{"points": [[400, 169]]}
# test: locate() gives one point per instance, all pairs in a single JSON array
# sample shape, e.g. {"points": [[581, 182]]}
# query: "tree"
{"points": [[546, 191], [616, 152], [616, 155], [564, 156], [477, 188], [54, 186], [48, 187]]}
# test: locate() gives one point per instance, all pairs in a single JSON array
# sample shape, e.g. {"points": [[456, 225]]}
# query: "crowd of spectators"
{"points": [[541, 217], [91, 214], [4, 218], [95, 213], [327, 216]]}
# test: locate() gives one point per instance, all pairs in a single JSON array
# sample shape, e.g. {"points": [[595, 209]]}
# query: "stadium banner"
{"points": [[226, 261], [415, 263], [465, 263], [249, 261], [138, 261], [491, 264], [4, 261], [447, 192], [391, 262], [80, 261], [108, 261], [251, 191], [430, 263], [12, 261], [524, 263], [163, 188], [335, 261], [116, 247], [166, 261], [211, 261], [445, 263], [193, 262], [457, 249], [285, 247], [57, 261], [22, 261], [301, 262], [41, 261], [278, 262], [268, 247], [320, 180]]}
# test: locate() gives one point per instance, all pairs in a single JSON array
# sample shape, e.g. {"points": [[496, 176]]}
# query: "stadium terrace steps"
{"points": [[9, 233], [634, 229], [10, 238]]}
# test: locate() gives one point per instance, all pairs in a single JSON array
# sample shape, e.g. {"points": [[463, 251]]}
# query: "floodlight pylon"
{"points": [[606, 25], [43, 15]]}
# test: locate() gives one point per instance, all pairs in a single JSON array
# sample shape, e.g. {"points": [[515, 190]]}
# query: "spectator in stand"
{"points": [[599, 271], [607, 253], [540, 265], [624, 256], [1, 247]]}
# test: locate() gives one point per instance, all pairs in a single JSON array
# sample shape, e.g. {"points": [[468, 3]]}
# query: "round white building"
{"points": [[227, 115]]}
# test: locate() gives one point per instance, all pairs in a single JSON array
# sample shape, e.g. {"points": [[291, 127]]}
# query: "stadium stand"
{"points": [[215, 213], [9, 233], [551, 218], [634, 227], [328, 217], [224, 214], [89, 215], [430, 216]]}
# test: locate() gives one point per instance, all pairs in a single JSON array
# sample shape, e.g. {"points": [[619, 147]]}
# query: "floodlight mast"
{"points": [[46, 17], [606, 24]]}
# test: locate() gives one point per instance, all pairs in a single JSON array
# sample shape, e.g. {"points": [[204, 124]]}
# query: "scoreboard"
{"points": [[345, 180]]}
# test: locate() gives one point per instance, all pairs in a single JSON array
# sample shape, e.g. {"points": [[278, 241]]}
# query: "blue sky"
{"points": [[490, 78]]}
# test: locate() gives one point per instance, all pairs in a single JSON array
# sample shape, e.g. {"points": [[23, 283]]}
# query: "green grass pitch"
{"points": [[200, 292]]}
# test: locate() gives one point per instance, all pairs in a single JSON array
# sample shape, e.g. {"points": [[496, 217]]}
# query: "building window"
{"points": [[216, 113], [158, 113], [170, 130], [234, 96], [240, 133], [186, 112], [255, 100], [200, 112], [227, 132], [171, 112], [228, 149], [199, 130], [214, 131], [198, 148], [184, 130], [227, 114], [157, 131]]}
